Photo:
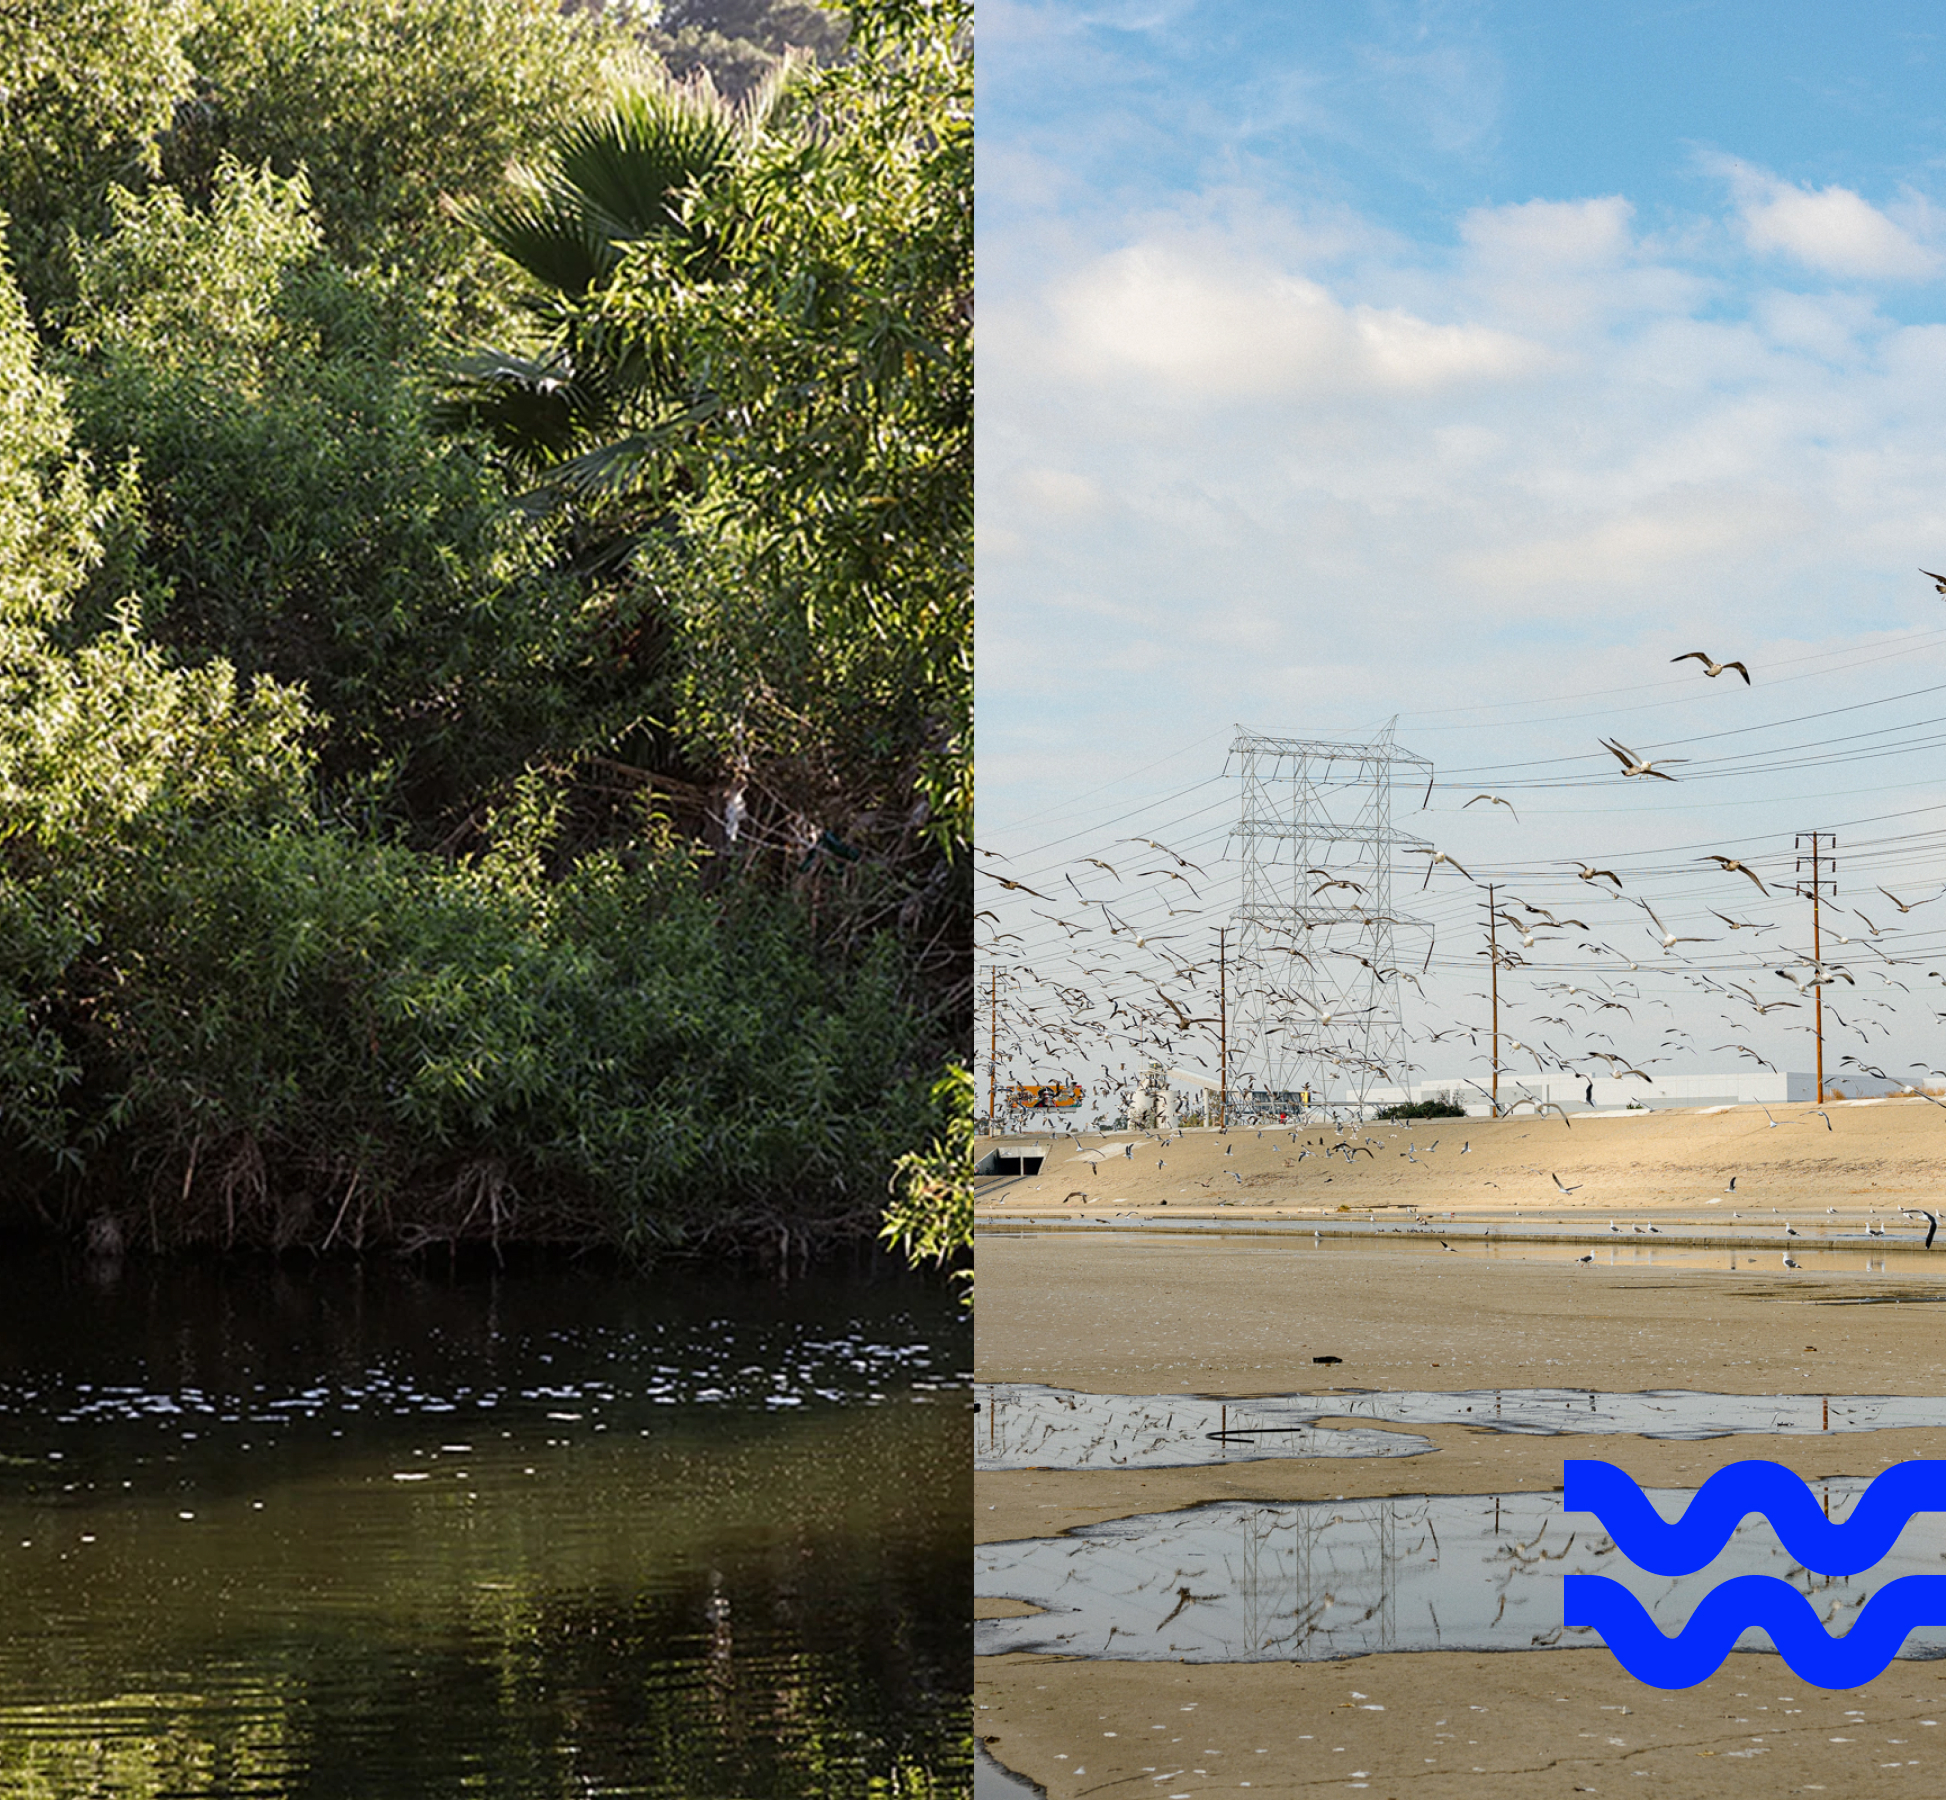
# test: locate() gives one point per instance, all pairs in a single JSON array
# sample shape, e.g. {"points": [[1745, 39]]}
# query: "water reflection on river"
{"points": [[342, 1531]]}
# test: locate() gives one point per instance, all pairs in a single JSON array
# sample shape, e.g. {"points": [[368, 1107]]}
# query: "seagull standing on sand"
{"points": [[1791, 1262]]}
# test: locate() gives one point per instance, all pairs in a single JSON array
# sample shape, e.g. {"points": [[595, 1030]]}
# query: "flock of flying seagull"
{"points": [[1128, 981]]}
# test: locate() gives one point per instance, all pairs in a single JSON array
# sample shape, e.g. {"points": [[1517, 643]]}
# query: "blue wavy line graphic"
{"points": [[1680, 1547], [1733, 1607]]}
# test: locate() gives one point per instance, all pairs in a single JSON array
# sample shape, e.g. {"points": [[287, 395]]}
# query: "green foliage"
{"points": [[50, 516], [618, 175], [931, 1215], [86, 86], [258, 610], [99, 739], [817, 321], [393, 109], [1444, 1108], [318, 1037], [299, 516]]}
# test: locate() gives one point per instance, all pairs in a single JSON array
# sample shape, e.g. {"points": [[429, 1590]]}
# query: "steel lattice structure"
{"points": [[1313, 814]]}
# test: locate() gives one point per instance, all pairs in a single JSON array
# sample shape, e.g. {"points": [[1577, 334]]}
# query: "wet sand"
{"points": [[1119, 1315], [1555, 1722], [1245, 1316]]}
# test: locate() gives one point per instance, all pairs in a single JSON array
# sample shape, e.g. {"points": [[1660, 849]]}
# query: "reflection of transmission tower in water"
{"points": [[1316, 814]]}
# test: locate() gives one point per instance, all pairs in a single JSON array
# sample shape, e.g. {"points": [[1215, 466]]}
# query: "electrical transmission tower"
{"points": [[1320, 991]]}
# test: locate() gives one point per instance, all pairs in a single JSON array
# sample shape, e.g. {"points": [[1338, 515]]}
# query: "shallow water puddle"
{"points": [[1244, 1582], [1733, 1246], [1028, 1426]]}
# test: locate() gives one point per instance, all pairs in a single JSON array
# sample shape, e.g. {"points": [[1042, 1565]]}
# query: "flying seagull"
{"points": [[1563, 1186], [1932, 1221], [1668, 938], [1632, 764], [1730, 866], [1711, 667], [1938, 581], [1497, 801], [1900, 904], [1438, 857], [1590, 873]]}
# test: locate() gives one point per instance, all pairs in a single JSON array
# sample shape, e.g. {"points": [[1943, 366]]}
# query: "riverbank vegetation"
{"points": [[485, 601]]}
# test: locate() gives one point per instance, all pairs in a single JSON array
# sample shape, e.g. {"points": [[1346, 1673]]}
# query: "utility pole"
{"points": [[993, 1047], [1822, 843], [1222, 1034], [1493, 960]]}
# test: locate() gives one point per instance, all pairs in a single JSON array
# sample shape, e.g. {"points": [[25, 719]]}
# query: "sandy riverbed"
{"points": [[1855, 1155], [1245, 1316]]}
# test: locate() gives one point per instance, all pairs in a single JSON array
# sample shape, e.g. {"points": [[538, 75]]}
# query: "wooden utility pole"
{"points": [[1493, 962], [1822, 843], [1222, 1034], [993, 1047]]}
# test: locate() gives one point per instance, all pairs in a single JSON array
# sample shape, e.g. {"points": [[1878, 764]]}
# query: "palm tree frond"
{"points": [[631, 164], [545, 229], [533, 411]]}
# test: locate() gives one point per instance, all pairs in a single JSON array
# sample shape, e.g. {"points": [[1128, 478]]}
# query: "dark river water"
{"points": [[349, 1530]]}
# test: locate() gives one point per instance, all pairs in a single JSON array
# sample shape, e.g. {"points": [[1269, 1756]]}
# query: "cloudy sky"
{"points": [[1466, 363]]}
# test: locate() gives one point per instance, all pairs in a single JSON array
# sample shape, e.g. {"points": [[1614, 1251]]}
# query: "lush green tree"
{"points": [[86, 89], [813, 334], [811, 442], [930, 1218], [223, 1018], [620, 174], [99, 739], [393, 110], [789, 462], [240, 565], [299, 517]]}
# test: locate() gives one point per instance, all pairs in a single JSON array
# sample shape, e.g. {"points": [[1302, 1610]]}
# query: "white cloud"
{"points": [[1429, 456], [1671, 532], [1832, 230], [1217, 327], [1574, 234], [1061, 492]]}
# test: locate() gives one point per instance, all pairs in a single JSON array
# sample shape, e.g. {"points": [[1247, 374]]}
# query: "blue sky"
{"points": [[1466, 364], [1414, 114]]}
